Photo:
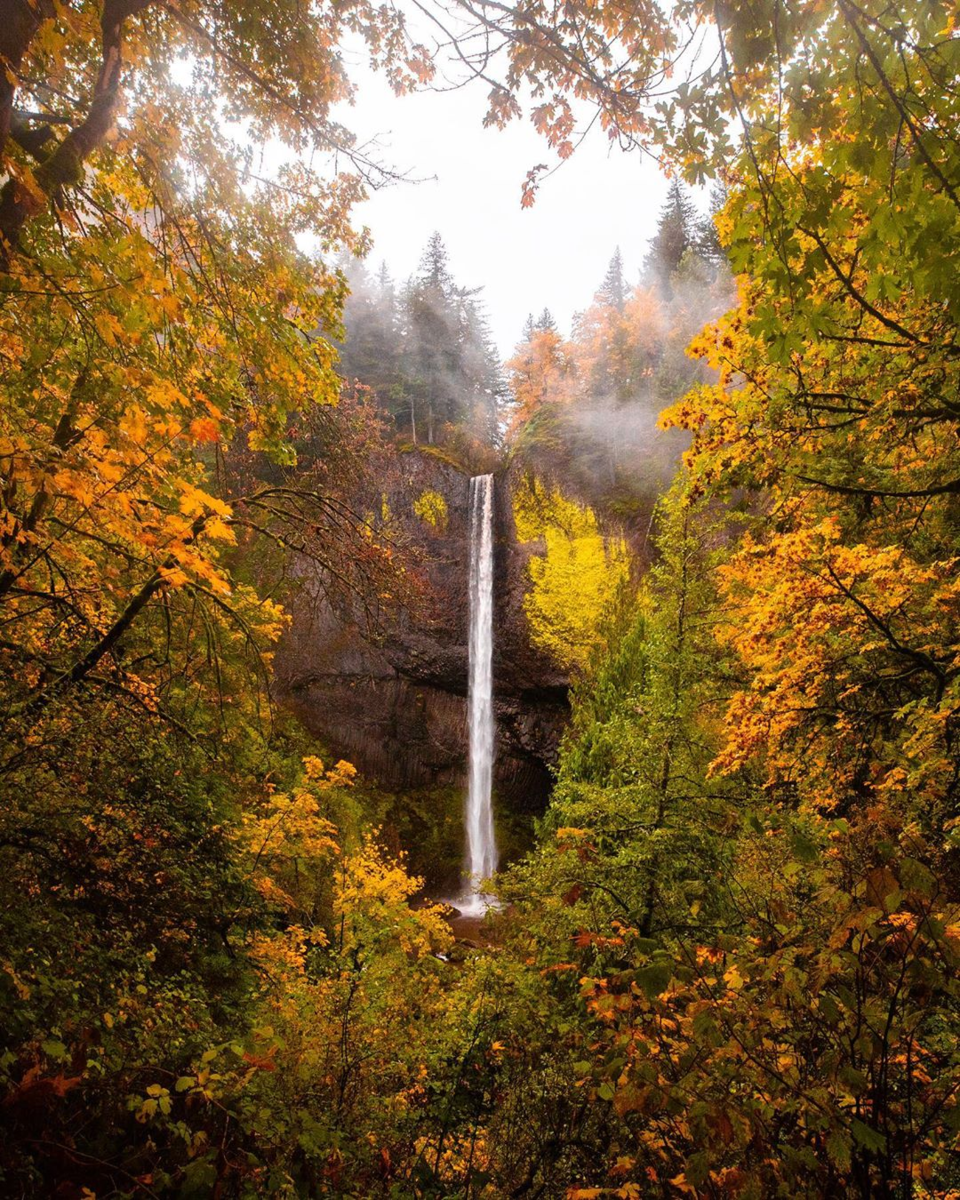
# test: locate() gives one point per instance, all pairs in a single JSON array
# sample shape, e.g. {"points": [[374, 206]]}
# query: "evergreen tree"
{"points": [[371, 349], [430, 339], [676, 233], [484, 385], [451, 367], [428, 353], [613, 291], [706, 241]]}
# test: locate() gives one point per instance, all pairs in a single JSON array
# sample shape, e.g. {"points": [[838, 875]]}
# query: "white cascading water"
{"points": [[481, 844]]}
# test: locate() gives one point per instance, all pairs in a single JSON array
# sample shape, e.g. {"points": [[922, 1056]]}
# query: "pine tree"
{"points": [[431, 335], [484, 385], [434, 269], [371, 350], [428, 354], [676, 233], [613, 290], [385, 283], [707, 242], [453, 371]]}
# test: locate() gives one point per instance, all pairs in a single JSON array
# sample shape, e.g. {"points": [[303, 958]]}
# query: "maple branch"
{"points": [[847, 9], [82, 668], [599, 887], [20, 24], [111, 685], [65, 435], [28, 137], [924, 661], [621, 102], [855, 293], [864, 340], [943, 489], [18, 203], [323, 132]]}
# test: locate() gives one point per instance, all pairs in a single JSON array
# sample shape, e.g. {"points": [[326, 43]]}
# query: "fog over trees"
{"points": [[424, 349]]}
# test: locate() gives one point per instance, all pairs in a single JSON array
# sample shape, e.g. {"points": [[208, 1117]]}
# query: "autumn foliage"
{"points": [[729, 966]]}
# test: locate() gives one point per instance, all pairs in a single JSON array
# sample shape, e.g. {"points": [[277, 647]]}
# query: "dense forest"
{"points": [[723, 959]]}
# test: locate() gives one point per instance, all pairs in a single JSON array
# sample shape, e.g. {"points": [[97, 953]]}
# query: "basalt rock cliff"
{"points": [[391, 697]]}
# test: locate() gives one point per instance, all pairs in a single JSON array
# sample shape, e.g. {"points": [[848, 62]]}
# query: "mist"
{"points": [[583, 407]]}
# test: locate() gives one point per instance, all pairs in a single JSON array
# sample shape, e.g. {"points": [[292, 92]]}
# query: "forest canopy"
{"points": [[728, 964]]}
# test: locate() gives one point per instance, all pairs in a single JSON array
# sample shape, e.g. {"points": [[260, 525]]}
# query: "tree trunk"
{"points": [[19, 22], [19, 204]]}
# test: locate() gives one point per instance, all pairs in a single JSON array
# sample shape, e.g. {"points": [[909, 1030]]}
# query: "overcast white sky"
{"points": [[554, 254]]}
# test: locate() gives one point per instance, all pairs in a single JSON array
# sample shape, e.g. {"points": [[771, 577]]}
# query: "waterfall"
{"points": [[481, 845]]}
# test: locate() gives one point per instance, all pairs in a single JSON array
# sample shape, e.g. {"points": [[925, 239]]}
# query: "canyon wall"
{"points": [[391, 696]]}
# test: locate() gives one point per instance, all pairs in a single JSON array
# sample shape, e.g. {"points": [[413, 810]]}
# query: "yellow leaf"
{"points": [[108, 327], [173, 576]]}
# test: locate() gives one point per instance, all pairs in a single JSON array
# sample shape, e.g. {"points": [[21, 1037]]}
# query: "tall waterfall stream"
{"points": [[481, 850]]}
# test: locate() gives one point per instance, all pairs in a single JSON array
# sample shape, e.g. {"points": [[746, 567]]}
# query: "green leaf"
{"points": [[917, 878], [838, 1147], [655, 978], [804, 848], [200, 1177], [828, 1006], [867, 1137]]}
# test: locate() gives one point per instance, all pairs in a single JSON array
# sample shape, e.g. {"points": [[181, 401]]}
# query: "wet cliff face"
{"points": [[392, 699]]}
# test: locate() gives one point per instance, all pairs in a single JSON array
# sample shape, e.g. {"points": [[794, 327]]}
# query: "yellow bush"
{"points": [[432, 508], [575, 578]]}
